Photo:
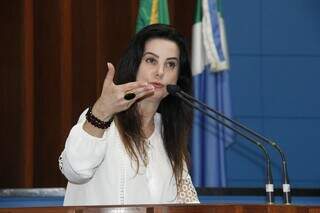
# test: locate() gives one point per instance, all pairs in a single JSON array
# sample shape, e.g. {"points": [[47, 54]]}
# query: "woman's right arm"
{"points": [[112, 100], [83, 153], [86, 144]]}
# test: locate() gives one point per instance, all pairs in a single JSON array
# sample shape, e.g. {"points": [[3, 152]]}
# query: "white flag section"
{"points": [[209, 34], [211, 86], [198, 60]]}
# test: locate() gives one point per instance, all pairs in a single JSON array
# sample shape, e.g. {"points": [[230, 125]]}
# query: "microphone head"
{"points": [[173, 89]]}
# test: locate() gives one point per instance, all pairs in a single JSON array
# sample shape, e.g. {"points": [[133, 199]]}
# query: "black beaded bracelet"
{"points": [[96, 121]]}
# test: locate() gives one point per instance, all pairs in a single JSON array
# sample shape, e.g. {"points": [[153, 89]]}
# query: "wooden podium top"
{"points": [[201, 208]]}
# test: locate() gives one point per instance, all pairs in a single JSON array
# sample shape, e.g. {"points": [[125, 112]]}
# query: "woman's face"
{"points": [[159, 65]]}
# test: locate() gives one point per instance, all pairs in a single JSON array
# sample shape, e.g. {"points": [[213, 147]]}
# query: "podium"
{"points": [[197, 208]]}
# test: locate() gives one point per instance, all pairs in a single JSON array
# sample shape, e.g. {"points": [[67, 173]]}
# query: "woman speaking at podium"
{"points": [[130, 147]]}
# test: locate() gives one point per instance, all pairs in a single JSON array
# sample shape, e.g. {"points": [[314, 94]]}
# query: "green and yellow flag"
{"points": [[151, 12]]}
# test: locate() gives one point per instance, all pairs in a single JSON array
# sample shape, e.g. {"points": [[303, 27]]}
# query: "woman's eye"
{"points": [[151, 60], [171, 65]]}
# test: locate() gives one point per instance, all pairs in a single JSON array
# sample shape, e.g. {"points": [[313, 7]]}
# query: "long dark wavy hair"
{"points": [[176, 116]]}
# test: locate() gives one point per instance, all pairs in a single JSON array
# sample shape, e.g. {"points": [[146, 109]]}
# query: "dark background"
{"points": [[52, 65]]}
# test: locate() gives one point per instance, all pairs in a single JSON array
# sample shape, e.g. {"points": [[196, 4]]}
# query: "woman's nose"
{"points": [[160, 71]]}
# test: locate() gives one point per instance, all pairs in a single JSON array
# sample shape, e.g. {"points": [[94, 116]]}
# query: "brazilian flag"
{"points": [[152, 12]]}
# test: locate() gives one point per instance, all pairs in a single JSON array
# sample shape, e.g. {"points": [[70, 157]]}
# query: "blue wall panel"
{"points": [[290, 86], [245, 85], [245, 162], [300, 140], [290, 27], [243, 26], [275, 68]]}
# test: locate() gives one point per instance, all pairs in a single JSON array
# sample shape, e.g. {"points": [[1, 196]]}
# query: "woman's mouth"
{"points": [[157, 85]]}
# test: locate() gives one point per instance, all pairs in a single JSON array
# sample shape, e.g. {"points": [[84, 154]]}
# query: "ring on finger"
{"points": [[129, 96]]}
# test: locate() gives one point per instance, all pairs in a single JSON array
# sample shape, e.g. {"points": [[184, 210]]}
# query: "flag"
{"points": [[211, 86], [151, 12]]}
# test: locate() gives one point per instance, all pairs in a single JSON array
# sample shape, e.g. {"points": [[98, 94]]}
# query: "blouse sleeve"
{"points": [[82, 154], [186, 191]]}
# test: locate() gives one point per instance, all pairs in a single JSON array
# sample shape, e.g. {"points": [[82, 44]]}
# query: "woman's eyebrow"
{"points": [[173, 58], [155, 55]]}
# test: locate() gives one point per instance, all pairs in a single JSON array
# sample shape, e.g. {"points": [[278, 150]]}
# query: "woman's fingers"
{"points": [[139, 93], [133, 85], [110, 73], [115, 98], [142, 91]]}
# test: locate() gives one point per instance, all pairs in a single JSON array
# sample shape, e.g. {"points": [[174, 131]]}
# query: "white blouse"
{"points": [[100, 172]]}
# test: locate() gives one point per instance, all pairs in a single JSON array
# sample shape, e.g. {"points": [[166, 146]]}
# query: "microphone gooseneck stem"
{"points": [[285, 178], [286, 185], [269, 181]]}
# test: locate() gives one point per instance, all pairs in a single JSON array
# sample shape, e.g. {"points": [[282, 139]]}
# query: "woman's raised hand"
{"points": [[112, 99]]}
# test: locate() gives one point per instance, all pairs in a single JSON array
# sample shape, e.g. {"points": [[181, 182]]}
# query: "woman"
{"points": [[130, 147]]}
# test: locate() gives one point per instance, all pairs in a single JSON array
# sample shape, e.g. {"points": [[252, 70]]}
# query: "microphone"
{"points": [[176, 91], [285, 178], [173, 89]]}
